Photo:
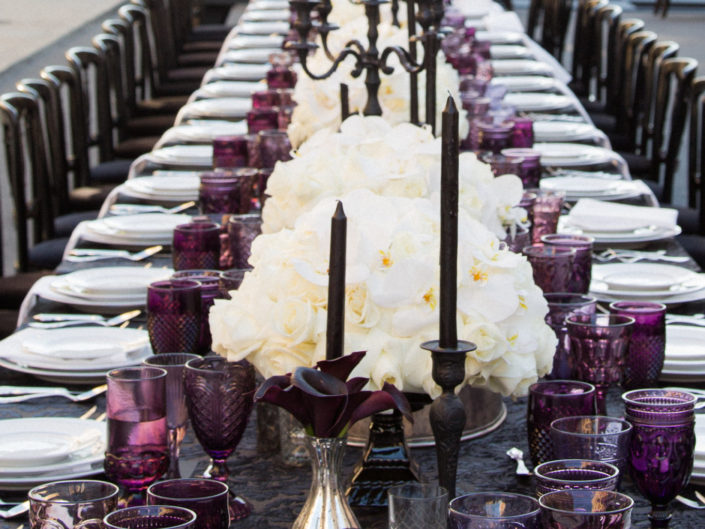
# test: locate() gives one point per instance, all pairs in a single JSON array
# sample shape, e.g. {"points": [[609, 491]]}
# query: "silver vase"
{"points": [[326, 506]]}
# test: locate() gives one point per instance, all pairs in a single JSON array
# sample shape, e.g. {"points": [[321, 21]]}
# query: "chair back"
{"points": [[696, 150], [124, 32], [556, 18], [149, 70], [608, 57], [584, 39], [108, 47]]}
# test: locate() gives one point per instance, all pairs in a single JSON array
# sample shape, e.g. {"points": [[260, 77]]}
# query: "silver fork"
{"points": [[693, 504], [86, 255], [57, 392], [18, 509], [130, 209], [110, 322]]}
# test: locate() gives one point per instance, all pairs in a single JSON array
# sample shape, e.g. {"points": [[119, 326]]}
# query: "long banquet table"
{"points": [[277, 491]]}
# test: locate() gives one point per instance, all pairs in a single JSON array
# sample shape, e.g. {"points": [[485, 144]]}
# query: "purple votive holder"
{"points": [[265, 99], [523, 133], [209, 281], [274, 147], [530, 172], [174, 316], [229, 152], [546, 211], [208, 498], [231, 280], [493, 136], [281, 77], [552, 267], [242, 230], [285, 114], [550, 400], [501, 164], [582, 264], [226, 192], [469, 84], [647, 347], [560, 306], [495, 510], [518, 237], [151, 517], [563, 474], [593, 509], [196, 245], [262, 119]]}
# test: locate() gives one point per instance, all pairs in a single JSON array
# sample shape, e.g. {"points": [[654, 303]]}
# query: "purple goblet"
{"points": [[137, 453], [151, 517], [563, 474], [176, 412], [219, 398], [593, 437], [196, 245], [274, 147], [551, 400], [229, 152], [546, 210], [226, 191], [586, 509], [79, 504], [552, 267], [560, 306], [231, 280], [262, 119], [647, 348], [582, 264], [242, 230], [494, 510], [206, 497], [530, 172], [174, 316], [598, 343], [208, 279]]}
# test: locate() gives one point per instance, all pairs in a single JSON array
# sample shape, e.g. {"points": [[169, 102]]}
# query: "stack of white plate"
{"points": [[262, 5], [685, 355], [264, 28], [500, 37], [145, 229], [74, 355], [520, 67], [189, 155], [252, 56], [182, 186], [37, 450], [255, 41], [662, 283], [201, 133], [238, 72], [572, 154], [509, 51], [266, 15], [577, 187], [619, 233], [525, 83], [562, 131], [698, 476], [529, 101], [223, 107]]}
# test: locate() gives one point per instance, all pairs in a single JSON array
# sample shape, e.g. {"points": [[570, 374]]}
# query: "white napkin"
{"points": [[596, 215], [504, 21]]}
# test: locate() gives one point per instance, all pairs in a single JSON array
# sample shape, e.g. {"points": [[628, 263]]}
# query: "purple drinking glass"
{"points": [[217, 390], [523, 133], [564, 474], [586, 509], [281, 77], [659, 400], [229, 152], [582, 264], [206, 497], [550, 400], [253, 155], [176, 412], [598, 343], [274, 147], [262, 119], [208, 279], [560, 306], [231, 280], [494, 510], [242, 230], [647, 347], [546, 210], [286, 112], [518, 237], [265, 99], [174, 316], [493, 136], [226, 192], [262, 178], [137, 453], [77, 504], [196, 245], [530, 172], [151, 517], [501, 164], [552, 267]]}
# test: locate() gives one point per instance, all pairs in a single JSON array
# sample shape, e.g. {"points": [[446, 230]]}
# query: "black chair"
{"points": [[556, 18], [583, 39], [606, 59]]}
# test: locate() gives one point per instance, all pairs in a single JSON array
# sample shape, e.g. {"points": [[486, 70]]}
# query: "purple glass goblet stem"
{"points": [[560, 306], [75, 503], [586, 509], [552, 267], [151, 516], [647, 346], [597, 346], [496, 510], [209, 499], [582, 264], [176, 412], [552, 400], [174, 315]]}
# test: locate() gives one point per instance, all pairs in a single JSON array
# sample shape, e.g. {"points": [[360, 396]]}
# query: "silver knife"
{"points": [[26, 390], [15, 511], [46, 316]]}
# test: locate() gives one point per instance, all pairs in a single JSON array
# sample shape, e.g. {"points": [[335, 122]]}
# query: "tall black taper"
{"points": [[447, 414], [335, 330]]}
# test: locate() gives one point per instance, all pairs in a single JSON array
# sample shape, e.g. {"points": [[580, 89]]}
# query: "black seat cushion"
{"points": [[202, 45], [188, 74], [639, 165], [695, 246], [607, 123], [112, 172], [47, 254], [161, 105], [197, 58], [65, 224], [15, 288], [152, 125], [87, 198], [216, 32], [621, 142], [134, 147], [8, 322], [689, 220]]}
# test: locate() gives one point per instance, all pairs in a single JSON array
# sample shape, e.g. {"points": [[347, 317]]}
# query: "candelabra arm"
{"points": [[356, 45], [326, 50], [405, 58], [344, 54]]}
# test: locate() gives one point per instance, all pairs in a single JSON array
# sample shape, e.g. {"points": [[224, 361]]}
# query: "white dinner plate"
{"points": [[263, 28], [525, 83], [86, 459], [500, 37], [577, 187], [255, 41], [509, 51], [268, 4], [33, 448], [644, 280], [140, 229], [230, 89], [266, 15], [144, 187], [521, 67], [530, 101], [562, 131], [571, 154], [640, 235], [253, 56], [195, 155], [226, 107], [684, 343], [240, 72]]}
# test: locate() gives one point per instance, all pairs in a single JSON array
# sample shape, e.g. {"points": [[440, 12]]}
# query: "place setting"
{"points": [[572, 154], [237, 72], [181, 155], [254, 41], [528, 101], [141, 229], [200, 131], [266, 15], [564, 131], [509, 51], [521, 67], [248, 56], [525, 83], [163, 185], [577, 187], [220, 108]]}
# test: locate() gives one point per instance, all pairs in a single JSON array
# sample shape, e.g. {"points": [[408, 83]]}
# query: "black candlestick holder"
{"points": [[447, 414]]}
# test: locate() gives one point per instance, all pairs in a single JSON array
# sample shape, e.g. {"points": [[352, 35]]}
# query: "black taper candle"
{"points": [[335, 331], [449, 225], [344, 102]]}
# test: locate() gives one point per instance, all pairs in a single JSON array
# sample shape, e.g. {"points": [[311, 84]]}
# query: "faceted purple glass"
{"points": [[226, 192], [593, 437], [231, 280], [196, 245], [494, 510], [176, 413], [285, 114], [471, 85], [79, 504], [598, 344], [137, 453], [551, 400], [658, 400], [586, 509], [253, 155], [517, 238], [553, 267], [274, 147], [229, 152], [560, 306], [242, 230], [582, 264], [262, 178], [208, 279], [262, 119], [265, 99], [281, 77], [501, 164], [563, 474], [151, 517], [523, 133], [494, 137], [530, 173], [174, 316], [647, 347], [546, 210], [206, 497]]}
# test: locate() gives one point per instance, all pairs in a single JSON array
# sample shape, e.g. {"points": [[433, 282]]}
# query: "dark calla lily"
{"points": [[322, 400]]}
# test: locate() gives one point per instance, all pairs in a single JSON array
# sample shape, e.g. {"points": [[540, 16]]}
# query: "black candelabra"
{"points": [[370, 59]]}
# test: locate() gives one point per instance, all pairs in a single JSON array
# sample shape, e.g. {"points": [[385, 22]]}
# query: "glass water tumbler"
{"points": [[262, 119], [495, 510], [242, 230], [229, 152], [501, 164], [563, 474], [76, 504], [582, 263], [196, 245], [206, 497], [274, 146], [560, 306], [545, 213], [281, 77], [530, 172], [494, 137], [552, 267]]}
